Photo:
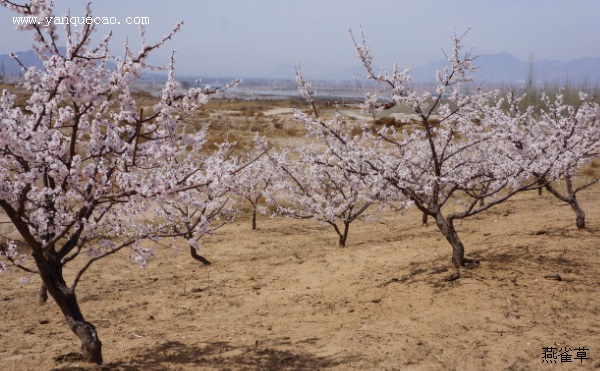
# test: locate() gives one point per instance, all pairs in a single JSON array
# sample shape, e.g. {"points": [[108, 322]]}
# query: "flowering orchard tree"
{"points": [[574, 134], [309, 188], [313, 184], [460, 151], [201, 210], [255, 177], [82, 166]]}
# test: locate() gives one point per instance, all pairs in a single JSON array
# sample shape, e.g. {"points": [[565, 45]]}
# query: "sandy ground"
{"points": [[284, 297]]}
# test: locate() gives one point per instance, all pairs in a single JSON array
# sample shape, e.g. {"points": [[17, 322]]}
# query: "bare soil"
{"points": [[284, 297]]}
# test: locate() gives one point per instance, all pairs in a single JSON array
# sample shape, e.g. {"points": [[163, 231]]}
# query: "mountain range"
{"points": [[506, 68], [491, 68], [28, 59]]}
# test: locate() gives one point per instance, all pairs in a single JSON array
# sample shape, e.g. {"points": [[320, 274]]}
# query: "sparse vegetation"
{"points": [[105, 169]]}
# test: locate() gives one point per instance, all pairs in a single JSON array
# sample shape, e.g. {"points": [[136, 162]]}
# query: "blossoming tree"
{"points": [[256, 176], [574, 133], [82, 166], [461, 149], [308, 186], [312, 183]]}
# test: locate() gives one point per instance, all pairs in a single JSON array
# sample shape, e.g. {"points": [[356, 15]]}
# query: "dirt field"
{"points": [[284, 297]]}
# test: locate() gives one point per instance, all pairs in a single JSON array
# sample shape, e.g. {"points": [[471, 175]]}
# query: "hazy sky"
{"points": [[243, 38]]}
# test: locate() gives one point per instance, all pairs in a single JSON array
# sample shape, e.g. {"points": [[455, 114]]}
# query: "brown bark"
{"points": [[571, 199], [199, 257], [579, 213], [50, 268], [91, 346], [541, 184], [43, 295], [344, 236], [342, 242], [447, 229]]}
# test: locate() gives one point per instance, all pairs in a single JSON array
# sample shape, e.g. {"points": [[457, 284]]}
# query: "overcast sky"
{"points": [[245, 38]]}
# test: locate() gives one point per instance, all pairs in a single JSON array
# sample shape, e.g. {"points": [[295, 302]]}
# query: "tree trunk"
{"points": [[253, 217], [424, 218], [344, 236], [43, 295], [91, 346], [580, 214], [198, 257], [447, 229], [50, 268]]}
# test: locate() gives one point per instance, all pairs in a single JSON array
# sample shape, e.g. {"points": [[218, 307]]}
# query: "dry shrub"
{"points": [[277, 124], [387, 121], [356, 131], [294, 132], [216, 137], [260, 125]]}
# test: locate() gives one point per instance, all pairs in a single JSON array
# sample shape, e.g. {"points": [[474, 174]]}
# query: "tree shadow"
{"points": [[502, 256], [433, 273], [510, 257], [223, 356]]}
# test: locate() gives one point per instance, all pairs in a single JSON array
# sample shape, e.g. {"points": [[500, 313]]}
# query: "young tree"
{"points": [[573, 133], [313, 185], [83, 165], [461, 150], [310, 187], [200, 211], [254, 181]]}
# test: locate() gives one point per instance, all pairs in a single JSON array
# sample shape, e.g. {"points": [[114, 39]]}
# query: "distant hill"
{"points": [[501, 68], [29, 59], [492, 68], [506, 68], [583, 70], [12, 68]]}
